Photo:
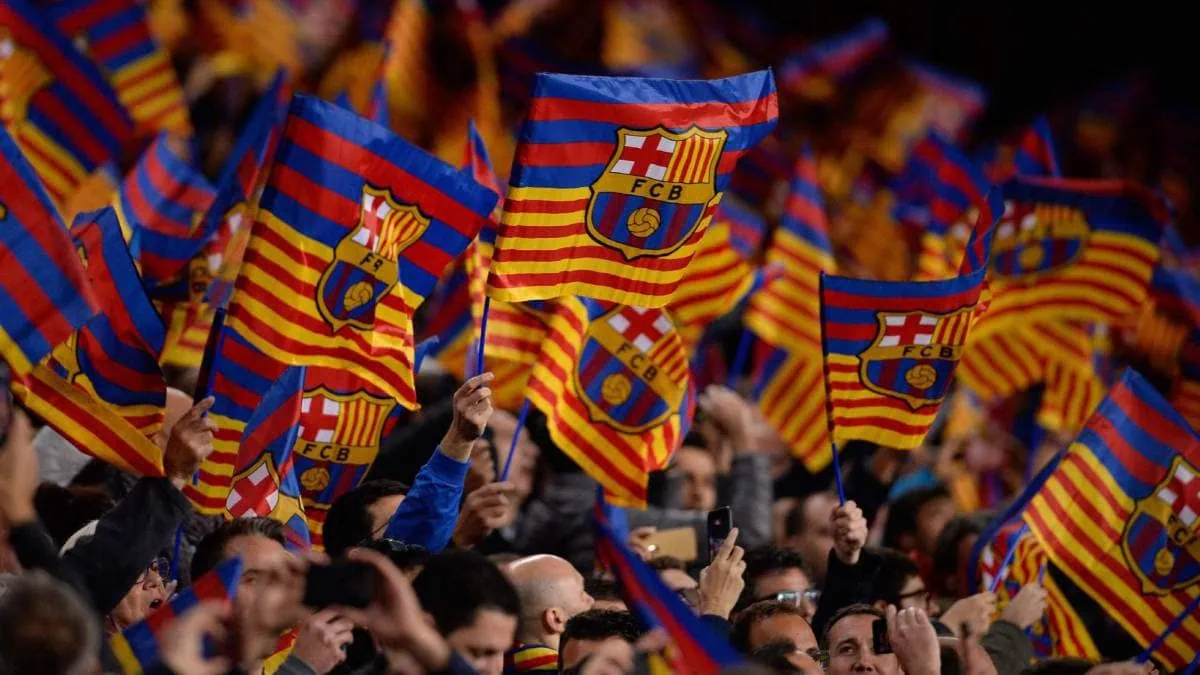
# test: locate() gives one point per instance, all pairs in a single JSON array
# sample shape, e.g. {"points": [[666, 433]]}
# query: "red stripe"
{"points": [[121, 41], [614, 281], [939, 304], [678, 115], [88, 15], [78, 139], [541, 206]]}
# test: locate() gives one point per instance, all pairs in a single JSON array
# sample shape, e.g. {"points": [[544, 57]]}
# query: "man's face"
{"points": [[931, 520], [484, 641], [816, 539], [576, 651], [792, 581], [699, 478], [266, 602], [913, 594], [147, 594], [524, 461], [381, 512], [783, 627], [575, 598], [851, 648]]}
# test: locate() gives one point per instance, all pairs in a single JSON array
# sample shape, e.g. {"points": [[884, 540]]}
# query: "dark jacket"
{"points": [[1009, 647], [845, 585]]}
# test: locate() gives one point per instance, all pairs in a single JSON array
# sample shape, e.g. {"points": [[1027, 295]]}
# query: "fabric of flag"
{"points": [[790, 391], [695, 648], [102, 389], [1185, 388], [1031, 155], [951, 103], [354, 228], [264, 482], [44, 292], [761, 172], [954, 184], [449, 318], [55, 103], [95, 192], [1119, 516], [615, 181], [717, 279], [1004, 364], [890, 353], [1072, 250], [786, 312], [816, 71], [138, 648], [530, 659], [614, 384], [162, 202], [115, 34]]}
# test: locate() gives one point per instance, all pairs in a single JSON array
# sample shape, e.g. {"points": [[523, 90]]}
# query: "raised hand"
{"points": [[722, 581], [484, 510], [189, 443], [849, 532], [472, 410]]}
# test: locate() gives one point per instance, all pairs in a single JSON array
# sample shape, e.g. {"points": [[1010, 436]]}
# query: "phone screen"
{"points": [[351, 584], [880, 634], [720, 522]]}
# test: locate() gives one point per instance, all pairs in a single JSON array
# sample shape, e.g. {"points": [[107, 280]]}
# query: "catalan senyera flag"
{"points": [[1119, 517], [115, 34], [238, 377], [161, 203], [695, 648], [790, 391], [611, 192], [354, 228], [614, 384], [55, 103], [264, 482], [816, 71], [718, 278], [44, 291], [102, 389], [786, 312], [891, 348], [138, 648], [1072, 250], [1075, 379]]}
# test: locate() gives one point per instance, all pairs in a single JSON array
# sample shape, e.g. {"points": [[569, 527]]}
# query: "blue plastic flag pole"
{"points": [[1188, 613], [739, 358], [1008, 557], [837, 474], [512, 446], [487, 304]]}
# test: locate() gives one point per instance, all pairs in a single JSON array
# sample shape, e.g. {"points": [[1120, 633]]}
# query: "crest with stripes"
{"points": [[913, 355], [1161, 541], [1033, 239], [338, 441], [655, 191]]}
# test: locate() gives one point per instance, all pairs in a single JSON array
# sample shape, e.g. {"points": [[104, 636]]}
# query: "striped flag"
{"points": [[375, 222], [1118, 516], [816, 71], [610, 195], [44, 292], [115, 34], [718, 278], [1031, 155], [790, 391]]}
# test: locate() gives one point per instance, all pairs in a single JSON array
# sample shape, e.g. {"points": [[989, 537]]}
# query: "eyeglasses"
{"points": [[160, 567], [690, 596], [924, 595], [810, 596]]}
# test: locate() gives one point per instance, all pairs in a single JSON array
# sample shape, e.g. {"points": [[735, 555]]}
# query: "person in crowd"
{"points": [[784, 657], [605, 592], [767, 621], [46, 628], [586, 632], [808, 531], [914, 522], [474, 606], [952, 553], [673, 572], [777, 574], [551, 591]]}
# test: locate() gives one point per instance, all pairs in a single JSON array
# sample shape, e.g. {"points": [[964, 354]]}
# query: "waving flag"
{"points": [[449, 318], [790, 390], [55, 103], [786, 312], [1119, 517], [953, 188], [138, 648], [44, 292], [611, 193], [816, 71], [162, 202], [1032, 155], [1075, 250], [115, 34], [102, 389], [717, 280], [354, 228], [1185, 389], [264, 483], [614, 384], [695, 648], [761, 172]]}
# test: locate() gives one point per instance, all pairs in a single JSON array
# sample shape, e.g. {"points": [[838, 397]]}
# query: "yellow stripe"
{"points": [[123, 653], [518, 194], [17, 361]]}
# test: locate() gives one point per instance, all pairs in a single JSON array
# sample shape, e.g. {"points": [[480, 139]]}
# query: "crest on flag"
{"points": [[254, 491], [1161, 541], [618, 374], [22, 75], [913, 355], [1033, 239], [364, 268], [338, 440], [656, 190]]}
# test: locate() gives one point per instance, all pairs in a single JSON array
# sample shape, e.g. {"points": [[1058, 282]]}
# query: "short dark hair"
{"points": [[895, 569], [762, 561], [794, 523], [211, 549], [406, 557], [945, 551], [902, 514], [600, 624], [348, 522], [850, 610], [455, 585], [774, 655], [739, 633], [45, 627], [602, 589], [668, 562]]}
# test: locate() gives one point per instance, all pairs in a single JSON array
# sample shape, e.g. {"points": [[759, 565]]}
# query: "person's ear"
{"points": [[554, 620]]}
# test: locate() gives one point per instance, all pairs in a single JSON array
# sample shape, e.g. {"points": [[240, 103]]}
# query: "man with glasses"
{"points": [[898, 582], [778, 575], [152, 588]]}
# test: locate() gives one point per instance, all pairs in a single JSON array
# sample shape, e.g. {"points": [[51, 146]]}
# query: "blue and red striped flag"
{"points": [[610, 193], [56, 103], [817, 70], [1119, 516], [44, 292], [695, 648], [103, 389], [138, 648], [354, 228], [115, 34], [953, 191], [161, 204], [449, 317], [264, 483], [1031, 155]]}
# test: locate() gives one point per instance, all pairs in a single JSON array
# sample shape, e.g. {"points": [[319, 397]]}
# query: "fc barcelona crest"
{"points": [[365, 264], [657, 190], [913, 355], [1033, 239], [619, 374], [254, 491], [1161, 541]]}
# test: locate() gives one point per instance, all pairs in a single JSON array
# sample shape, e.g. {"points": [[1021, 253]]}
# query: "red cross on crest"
{"points": [[319, 418], [256, 494], [1182, 495], [641, 327], [907, 329], [645, 156]]}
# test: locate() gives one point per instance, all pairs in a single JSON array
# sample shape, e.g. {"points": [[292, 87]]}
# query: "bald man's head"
{"points": [[551, 593]]}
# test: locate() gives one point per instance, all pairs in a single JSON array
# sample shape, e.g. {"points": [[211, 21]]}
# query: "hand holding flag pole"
{"points": [[1008, 557]]}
